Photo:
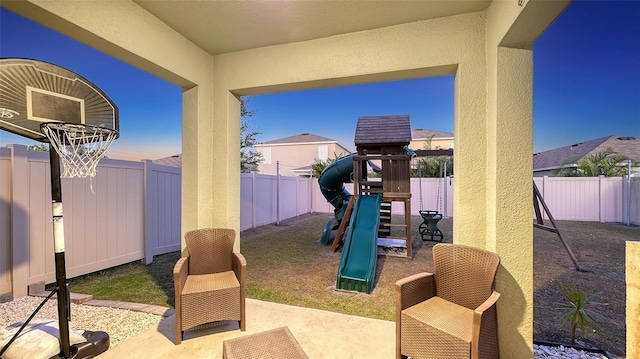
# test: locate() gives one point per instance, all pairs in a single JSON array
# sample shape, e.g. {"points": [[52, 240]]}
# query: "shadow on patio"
{"points": [[321, 334]]}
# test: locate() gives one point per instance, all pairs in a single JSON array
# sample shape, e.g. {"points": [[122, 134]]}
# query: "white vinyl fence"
{"points": [[129, 211], [595, 199], [132, 211]]}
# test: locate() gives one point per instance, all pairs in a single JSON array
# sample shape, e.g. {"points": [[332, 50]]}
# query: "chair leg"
{"points": [[398, 339], [243, 312], [178, 327]]}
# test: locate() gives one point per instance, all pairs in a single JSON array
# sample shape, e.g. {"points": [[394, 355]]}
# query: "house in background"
{"points": [[547, 162], [296, 154], [173, 161], [435, 139]]}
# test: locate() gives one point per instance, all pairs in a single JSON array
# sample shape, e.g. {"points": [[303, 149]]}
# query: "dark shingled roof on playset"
{"points": [[383, 130]]}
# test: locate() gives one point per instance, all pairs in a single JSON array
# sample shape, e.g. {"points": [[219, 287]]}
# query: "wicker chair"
{"points": [[452, 312], [210, 281]]}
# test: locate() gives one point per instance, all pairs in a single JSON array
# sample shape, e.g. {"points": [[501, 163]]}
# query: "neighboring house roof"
{"points": [[173, 161], [303, 138], [424, 134], [383, 129], [305, 169], [558, 157]]}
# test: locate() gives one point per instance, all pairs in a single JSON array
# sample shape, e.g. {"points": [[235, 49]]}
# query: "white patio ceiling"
{"points": [[228, 26]]}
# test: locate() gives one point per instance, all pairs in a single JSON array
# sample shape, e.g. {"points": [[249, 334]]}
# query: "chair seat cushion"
{"points": [[202, 283], [436, 328], [210, 297]]}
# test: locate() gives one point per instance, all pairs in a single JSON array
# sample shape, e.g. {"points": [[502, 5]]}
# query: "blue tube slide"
{"points": [[331, 182]]}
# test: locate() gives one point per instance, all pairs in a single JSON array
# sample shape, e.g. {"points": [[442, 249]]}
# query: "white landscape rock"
{"points": [[120, 324], [562, 352]]}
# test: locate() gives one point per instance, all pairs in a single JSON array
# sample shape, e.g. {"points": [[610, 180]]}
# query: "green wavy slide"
{"points": [[357, 269]]}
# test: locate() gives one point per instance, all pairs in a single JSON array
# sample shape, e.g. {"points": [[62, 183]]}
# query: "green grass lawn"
{"points": [[287, 264], [132, 282]]}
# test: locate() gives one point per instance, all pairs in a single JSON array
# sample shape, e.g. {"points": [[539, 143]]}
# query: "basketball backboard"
{"points": [[33, 92]]}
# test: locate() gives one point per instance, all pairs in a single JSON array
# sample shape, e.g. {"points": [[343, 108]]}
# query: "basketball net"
{"points": [[79, 146]]}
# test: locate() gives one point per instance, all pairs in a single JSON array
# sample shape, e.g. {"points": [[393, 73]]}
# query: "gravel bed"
{"points": [[120, 324], [562, 352]]}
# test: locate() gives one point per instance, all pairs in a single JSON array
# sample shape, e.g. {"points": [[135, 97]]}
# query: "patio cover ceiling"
{"points": [[228, 26]]}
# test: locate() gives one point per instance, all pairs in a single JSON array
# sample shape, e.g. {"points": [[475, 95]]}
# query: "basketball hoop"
{"points": [[79, 146]]}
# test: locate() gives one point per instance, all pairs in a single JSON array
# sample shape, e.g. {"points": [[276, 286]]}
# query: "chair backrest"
{"points": [[464, 275], [210, 250]]}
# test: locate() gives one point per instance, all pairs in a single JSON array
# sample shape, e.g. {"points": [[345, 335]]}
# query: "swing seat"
{"points": [[429, 226]]}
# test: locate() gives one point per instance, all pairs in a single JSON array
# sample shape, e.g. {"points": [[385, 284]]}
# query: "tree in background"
{"points": [[319, 165], [39, 147], [250, 158], [602, 163], [432, 166], [44, 147]]}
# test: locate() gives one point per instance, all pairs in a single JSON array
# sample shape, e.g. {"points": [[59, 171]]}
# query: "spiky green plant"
{"points": [[605, 162], [319, 165], [576, 311]]}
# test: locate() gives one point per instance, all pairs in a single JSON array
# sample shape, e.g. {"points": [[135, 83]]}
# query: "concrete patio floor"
{"points": [[321, 334]]}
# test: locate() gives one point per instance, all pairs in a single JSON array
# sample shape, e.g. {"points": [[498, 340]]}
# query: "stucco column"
{"points": [[211, 159], [217, 174], [470, 116], [232, 150], [509, 193], [190, 149], [633, 299]]}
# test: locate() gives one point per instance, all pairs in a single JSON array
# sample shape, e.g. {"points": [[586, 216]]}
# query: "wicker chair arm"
{"points": [[180, 273], [410, 291], [490, 302], [413, 290], [483, 328], [240, 267]]}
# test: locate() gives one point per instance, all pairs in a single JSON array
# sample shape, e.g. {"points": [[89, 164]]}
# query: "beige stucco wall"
{"points": [[511, 31], [488, 52], [633, 298]]}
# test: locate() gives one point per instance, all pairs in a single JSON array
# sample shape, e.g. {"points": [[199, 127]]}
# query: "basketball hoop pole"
{"points": [[96, 342], [49, 103], [58, 238]]}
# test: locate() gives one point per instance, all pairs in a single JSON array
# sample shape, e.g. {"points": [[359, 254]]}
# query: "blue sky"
{"points": [[586, 86]]}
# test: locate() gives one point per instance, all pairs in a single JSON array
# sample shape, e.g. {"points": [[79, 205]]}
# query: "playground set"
{"points": [[364, 219], [51, 104], [366, 216]]}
